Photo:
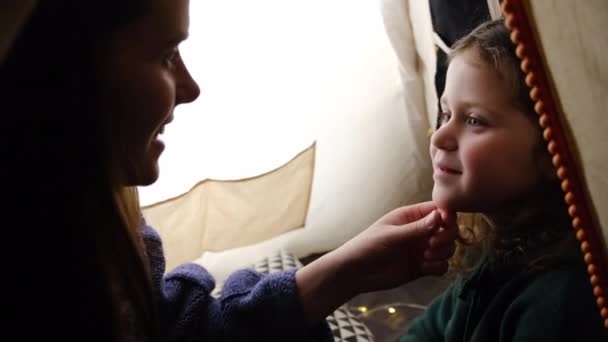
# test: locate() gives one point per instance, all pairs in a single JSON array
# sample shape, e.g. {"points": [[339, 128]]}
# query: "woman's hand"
{"points": [[403, 245]]}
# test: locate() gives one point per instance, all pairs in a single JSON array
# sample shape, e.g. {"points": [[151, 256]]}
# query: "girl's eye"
{"points": [[444, 117], [473, 121]]}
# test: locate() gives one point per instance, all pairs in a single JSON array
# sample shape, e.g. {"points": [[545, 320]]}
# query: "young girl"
{"points": [[489, 158], [86, 89]]}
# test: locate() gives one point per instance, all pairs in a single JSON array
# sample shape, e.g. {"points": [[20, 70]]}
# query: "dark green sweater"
{"points": [[554, 303]]}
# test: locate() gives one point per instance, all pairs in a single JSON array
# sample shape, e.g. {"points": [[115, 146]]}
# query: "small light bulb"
{"points": [[363, 309], [391, 310]]}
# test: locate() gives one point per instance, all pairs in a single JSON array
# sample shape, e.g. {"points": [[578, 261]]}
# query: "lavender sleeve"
{"points": [[252, 307]]}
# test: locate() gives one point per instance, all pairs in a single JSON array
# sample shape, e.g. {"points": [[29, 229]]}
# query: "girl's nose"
{"points": [[444, 137]]}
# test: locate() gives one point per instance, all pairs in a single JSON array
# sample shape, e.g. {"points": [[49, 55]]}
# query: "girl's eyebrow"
{"points": [[465, 104]]}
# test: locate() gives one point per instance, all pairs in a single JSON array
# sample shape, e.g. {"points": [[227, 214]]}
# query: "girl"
{"points": [[489, 158], [86, 90]]}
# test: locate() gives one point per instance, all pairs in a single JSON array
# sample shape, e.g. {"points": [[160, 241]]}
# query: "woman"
{"points": [[87, 88]]}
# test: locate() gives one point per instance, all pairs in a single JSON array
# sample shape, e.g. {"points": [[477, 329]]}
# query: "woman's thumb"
{"points": [[423, 227]]}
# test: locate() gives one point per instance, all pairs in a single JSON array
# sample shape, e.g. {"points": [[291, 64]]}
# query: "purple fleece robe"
{"points": [[253, 307]]}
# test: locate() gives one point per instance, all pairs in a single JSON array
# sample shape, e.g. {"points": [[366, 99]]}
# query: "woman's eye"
{"points": [[171, 58]]}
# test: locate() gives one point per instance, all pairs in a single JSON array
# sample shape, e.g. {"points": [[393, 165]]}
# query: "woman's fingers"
{"points": [[443, 236], [434, 267], [441, 244], [441, 253], [408, 214]]}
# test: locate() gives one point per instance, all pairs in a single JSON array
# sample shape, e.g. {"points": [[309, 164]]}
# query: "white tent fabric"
{"points": [[575, 46], [369, 114]]}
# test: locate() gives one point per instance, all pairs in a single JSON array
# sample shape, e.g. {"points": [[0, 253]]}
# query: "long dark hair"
{"points": [[538, 219], [75, 266]]}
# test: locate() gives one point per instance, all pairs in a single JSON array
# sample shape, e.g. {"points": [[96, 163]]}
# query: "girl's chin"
{"points": [[443, 200], [449, 204]]}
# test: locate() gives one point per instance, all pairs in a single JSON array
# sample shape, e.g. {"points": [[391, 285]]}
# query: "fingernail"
{"points": [[431, 219]]}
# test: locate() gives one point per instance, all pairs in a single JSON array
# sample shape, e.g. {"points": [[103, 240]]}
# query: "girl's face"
{"points": [[484, 152], [143, 80]]}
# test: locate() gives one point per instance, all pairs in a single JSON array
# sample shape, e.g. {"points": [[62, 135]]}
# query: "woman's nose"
{"points": [[187, 88]]}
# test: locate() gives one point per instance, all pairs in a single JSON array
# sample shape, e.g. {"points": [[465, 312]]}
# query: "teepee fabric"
{"points": [[575, 47]]}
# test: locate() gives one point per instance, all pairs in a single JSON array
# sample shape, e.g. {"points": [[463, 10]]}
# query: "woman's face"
{"points": [[143, 80]]}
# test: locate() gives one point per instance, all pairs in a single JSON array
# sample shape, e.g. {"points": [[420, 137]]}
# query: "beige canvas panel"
{"points": [[218, 215], [573, 37]]}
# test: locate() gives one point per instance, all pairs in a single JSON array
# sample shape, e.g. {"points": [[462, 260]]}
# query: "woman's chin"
{"points": [[149, 177], [147, 181], [144, 176]]}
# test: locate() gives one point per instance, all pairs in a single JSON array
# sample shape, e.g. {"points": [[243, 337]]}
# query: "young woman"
{"points": [[87, 89]]}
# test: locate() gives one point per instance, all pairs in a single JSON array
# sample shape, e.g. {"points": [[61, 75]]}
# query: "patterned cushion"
{"points": [[344, 325], [280, 261]]}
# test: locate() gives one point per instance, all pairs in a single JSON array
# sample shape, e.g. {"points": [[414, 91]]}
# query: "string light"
{"points": [[364, 312]]}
